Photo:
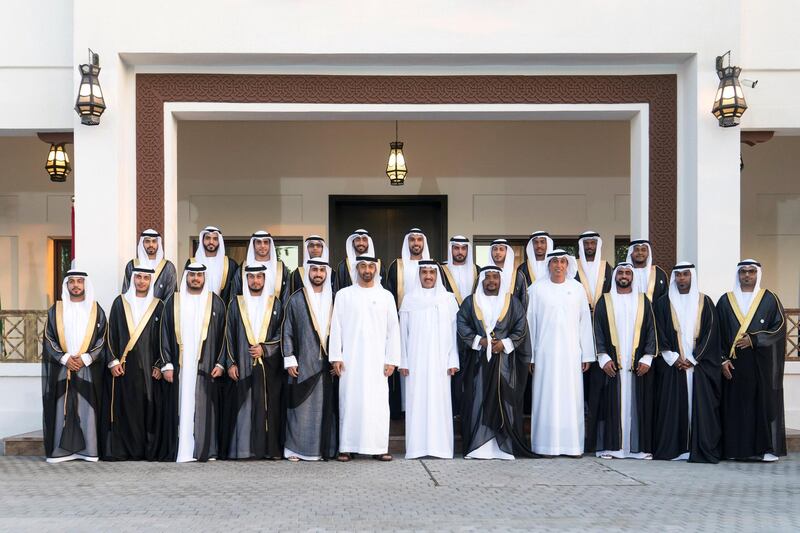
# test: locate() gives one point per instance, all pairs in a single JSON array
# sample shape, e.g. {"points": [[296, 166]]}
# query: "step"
{"points": [[25, 444], [31, 444]]}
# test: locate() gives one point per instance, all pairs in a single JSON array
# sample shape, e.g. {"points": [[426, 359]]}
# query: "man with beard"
{"points": [[74, 341], [594, 275], [753, 333], [131, 425], [459, 276], [315, 248], [364, 351], [402, 278], [562, 347], [221, 269], [254, 363], [358, 244], [535, 265], [150, 254], [460, 272], [429, 360], [262, 251], [688, 373], [311, 411], [491, 323], [647, 277], [625, 338], [192, 342], [502, 256]]}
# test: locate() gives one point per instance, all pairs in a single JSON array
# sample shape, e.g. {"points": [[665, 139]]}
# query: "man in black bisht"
{"points": [[192, 342], [359, 243], [311, 411], [72, 372], [262, 251], [131, 425], [625, 340], [595, 275], [221, 269], [314, 247], [753, 334], [535, 265], [252, 421], [492, 325], [647, 277], [688, 374], [150, 254]]}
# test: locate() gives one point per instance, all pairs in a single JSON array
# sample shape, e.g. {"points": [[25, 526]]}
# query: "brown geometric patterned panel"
{"points": [[659, 91]]}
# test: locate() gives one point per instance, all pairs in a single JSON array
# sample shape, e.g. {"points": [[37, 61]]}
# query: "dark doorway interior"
{"points": [[388, 219]]}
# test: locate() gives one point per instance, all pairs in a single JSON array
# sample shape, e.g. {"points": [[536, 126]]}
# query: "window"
{"points": [[62, 261], [569, 244], [288, 249], [621, 243], [483, 245]]}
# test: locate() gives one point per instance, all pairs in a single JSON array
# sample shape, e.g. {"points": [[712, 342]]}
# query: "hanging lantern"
{"points": [[729, 103], [396, 167], [57, 164], [90, 104]]}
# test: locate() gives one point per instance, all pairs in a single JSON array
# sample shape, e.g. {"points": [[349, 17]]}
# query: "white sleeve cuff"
{"points": [[454, 363], [64, 359], [289, 362], [87, 359], [221, 367], [508, 346], [603, 359], [113, 363], [167, 367], [476, 344], [691, 359], [646, 360], [670, 357]]}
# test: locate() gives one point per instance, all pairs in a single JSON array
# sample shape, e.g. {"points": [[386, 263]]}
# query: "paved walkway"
{"points": [[573, 494]]}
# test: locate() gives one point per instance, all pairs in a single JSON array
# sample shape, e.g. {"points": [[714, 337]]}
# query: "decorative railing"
{"points": [[793, 334], [22, 332]]}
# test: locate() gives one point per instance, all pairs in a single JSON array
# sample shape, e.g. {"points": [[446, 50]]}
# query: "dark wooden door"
{"points": [[388, 219]]}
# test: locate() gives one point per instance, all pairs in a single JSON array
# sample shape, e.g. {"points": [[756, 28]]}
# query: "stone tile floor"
{"points": [[541, 494]]}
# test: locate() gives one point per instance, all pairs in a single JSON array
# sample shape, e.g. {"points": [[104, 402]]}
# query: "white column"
{"points": [[640, 174], [105, 171], [708, 228]]}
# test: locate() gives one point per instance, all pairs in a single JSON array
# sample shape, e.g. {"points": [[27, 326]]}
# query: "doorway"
{"points": [[388, 219]]}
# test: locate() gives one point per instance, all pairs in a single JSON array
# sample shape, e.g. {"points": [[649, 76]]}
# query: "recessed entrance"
{"points": [[388, 219]]}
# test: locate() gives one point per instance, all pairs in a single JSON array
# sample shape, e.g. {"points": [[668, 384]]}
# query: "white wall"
{"points": [[32, 209], [770, 53], [20, 398], [501, 178], [36, 65], [771, 214], [360, 37]]}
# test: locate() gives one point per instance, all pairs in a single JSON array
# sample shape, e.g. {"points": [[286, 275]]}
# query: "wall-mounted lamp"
{"points": [[90, 104]]}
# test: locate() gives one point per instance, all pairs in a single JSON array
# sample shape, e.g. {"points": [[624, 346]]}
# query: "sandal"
{"points": [[344, 457], [293, 459], [386, 457]]}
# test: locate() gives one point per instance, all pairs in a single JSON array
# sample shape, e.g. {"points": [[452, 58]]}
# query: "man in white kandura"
{"points": [[429, 359], [562, 347], [364, 350]]}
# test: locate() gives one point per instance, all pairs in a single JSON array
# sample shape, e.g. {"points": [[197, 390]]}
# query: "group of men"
{"points": [[251, 361]]}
